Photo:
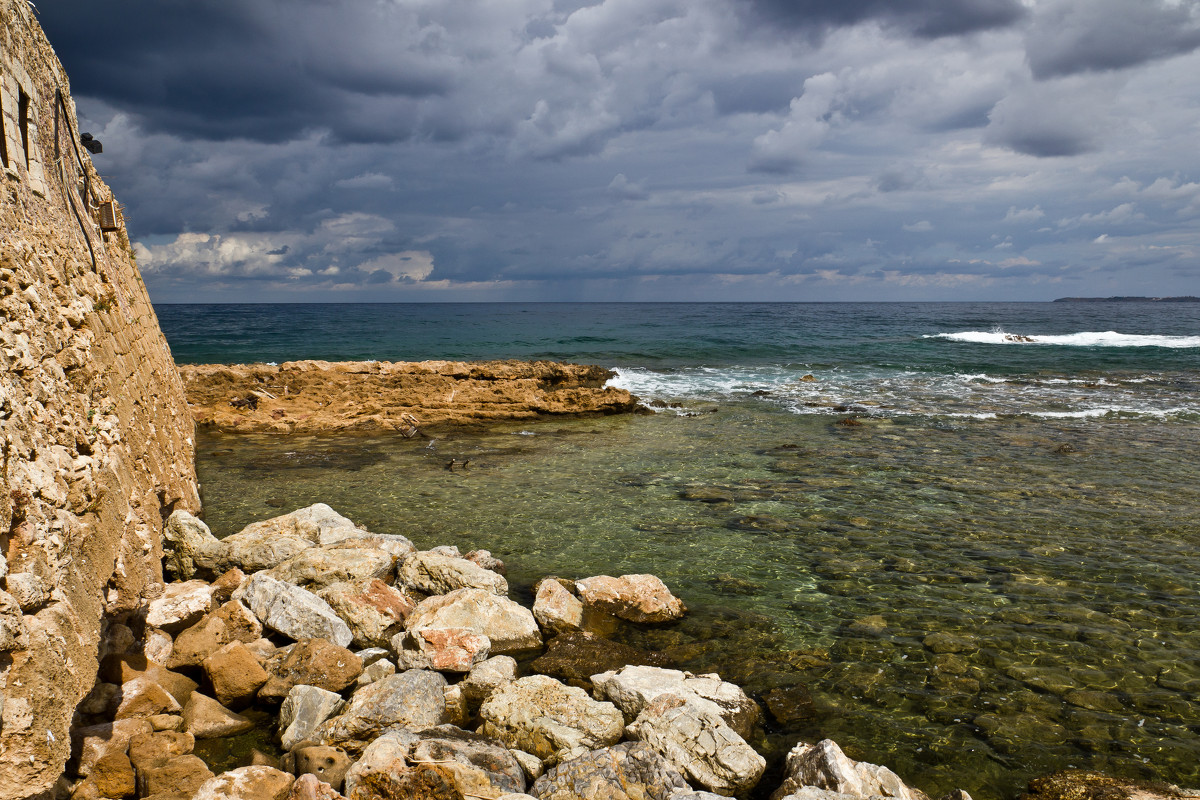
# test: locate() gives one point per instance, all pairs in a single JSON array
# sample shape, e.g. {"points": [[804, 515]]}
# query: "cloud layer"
{"points": [[647, 149]]}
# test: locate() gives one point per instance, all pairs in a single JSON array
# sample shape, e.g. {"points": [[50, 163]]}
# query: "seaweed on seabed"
{"points": [[1075, 784]]}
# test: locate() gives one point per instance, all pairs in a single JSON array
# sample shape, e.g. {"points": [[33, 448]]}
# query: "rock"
{"points": [[699, 743], [687, 794], [790, 706], [370, 655], [180, 777], [232, 622], [442, 649], [100, 698], [159, 646], [399, 547], [247, 783], [181, 605], [486, 676], [266, 544], [541, 716], [303, 711], [310, 787], [414, 699], [447, 742], [457, 711], [434, 574], [96, 741], [374, 611], [485, 559], [311, 662], [637, 598], [29, 590], [531, 765], [633, 688], [124, 668], [941, 642], [143, 697], [1075, 784], [377, 671], [292, 611], [205, 718], [316, 568], [113, 776], [510, 627], [229, 582], [235, 674], [574, 658], [556, 609], [189, 547], [444, 763], [628, 771], [166, 722], [13, 633], [825, 766], [329, 764], [155, 749]]}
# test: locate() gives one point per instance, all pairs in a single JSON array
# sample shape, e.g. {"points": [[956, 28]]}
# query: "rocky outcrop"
{"points": [[96, 443], [313, 396]]}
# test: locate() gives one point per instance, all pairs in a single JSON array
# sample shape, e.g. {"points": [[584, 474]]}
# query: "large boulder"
{"points": [[143, 697], [487, 676], [374, 610], [311, 662], [628, 771], [205, 718], [415, 699], [316, 524], [637, 598], [398, 546], [556, 609], [303, 711], [235, 674], [435, 573], [293, 611], [316, 568], [825, 767], [96, 741], [633, 688], [247, 783], [442, 649], [554, 722], [444, 763], [232, 622], [509, 627], [181, 778], [699, 744]]}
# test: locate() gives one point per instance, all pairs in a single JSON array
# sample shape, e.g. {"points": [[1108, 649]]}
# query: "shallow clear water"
{"points": [[1061, 556], [993, 574]]}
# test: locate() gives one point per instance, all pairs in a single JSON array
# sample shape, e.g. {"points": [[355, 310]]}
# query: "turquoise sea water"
{"points": [[991, 575]]}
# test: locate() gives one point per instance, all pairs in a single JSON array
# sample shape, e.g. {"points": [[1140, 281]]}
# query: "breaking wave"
{"points": [[1080, 339]]}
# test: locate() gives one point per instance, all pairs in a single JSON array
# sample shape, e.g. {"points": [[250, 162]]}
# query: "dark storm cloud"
{"points": [[1068, 37], [260, 69], [925, 18]]}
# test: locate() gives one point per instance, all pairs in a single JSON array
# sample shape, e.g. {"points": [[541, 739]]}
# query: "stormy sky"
{"points": [[419, 150]]}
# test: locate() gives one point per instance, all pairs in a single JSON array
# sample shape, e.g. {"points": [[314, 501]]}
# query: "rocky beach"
{"points": [[306, 658]]}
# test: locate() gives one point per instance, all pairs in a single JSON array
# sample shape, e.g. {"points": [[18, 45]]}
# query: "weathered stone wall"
{"points": [[95, 436]]}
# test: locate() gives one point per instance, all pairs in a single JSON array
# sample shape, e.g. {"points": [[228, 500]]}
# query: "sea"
{"points": [[960, 539]]}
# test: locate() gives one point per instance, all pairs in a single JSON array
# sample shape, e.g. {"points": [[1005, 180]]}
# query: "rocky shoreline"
{"points": [[369, 670], [322, 396]]}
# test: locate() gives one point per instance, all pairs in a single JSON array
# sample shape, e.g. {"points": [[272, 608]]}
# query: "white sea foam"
{"points": [[1080, 339]]}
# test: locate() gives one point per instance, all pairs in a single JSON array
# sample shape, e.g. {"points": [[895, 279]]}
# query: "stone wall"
{"points": [[96, 440]]}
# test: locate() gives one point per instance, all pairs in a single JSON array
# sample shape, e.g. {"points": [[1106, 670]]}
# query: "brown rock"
{"points": [[166, 722], [314, 662], [232, 622], [182, 776], [96, 741], [148, 750], [329, 764], [235, 674], [205, 718], [224, 586], [113, 776], [124, 668], [142, 697]]}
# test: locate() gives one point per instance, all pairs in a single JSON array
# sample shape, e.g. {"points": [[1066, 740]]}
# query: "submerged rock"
{"points": [[574, 658]]}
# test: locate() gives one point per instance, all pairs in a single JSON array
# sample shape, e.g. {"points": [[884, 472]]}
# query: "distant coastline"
{"points": [[1123, 299]]}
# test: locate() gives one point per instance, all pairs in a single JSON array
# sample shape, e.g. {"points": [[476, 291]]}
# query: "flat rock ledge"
{"points": [[402, 688], [320, 396]]}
